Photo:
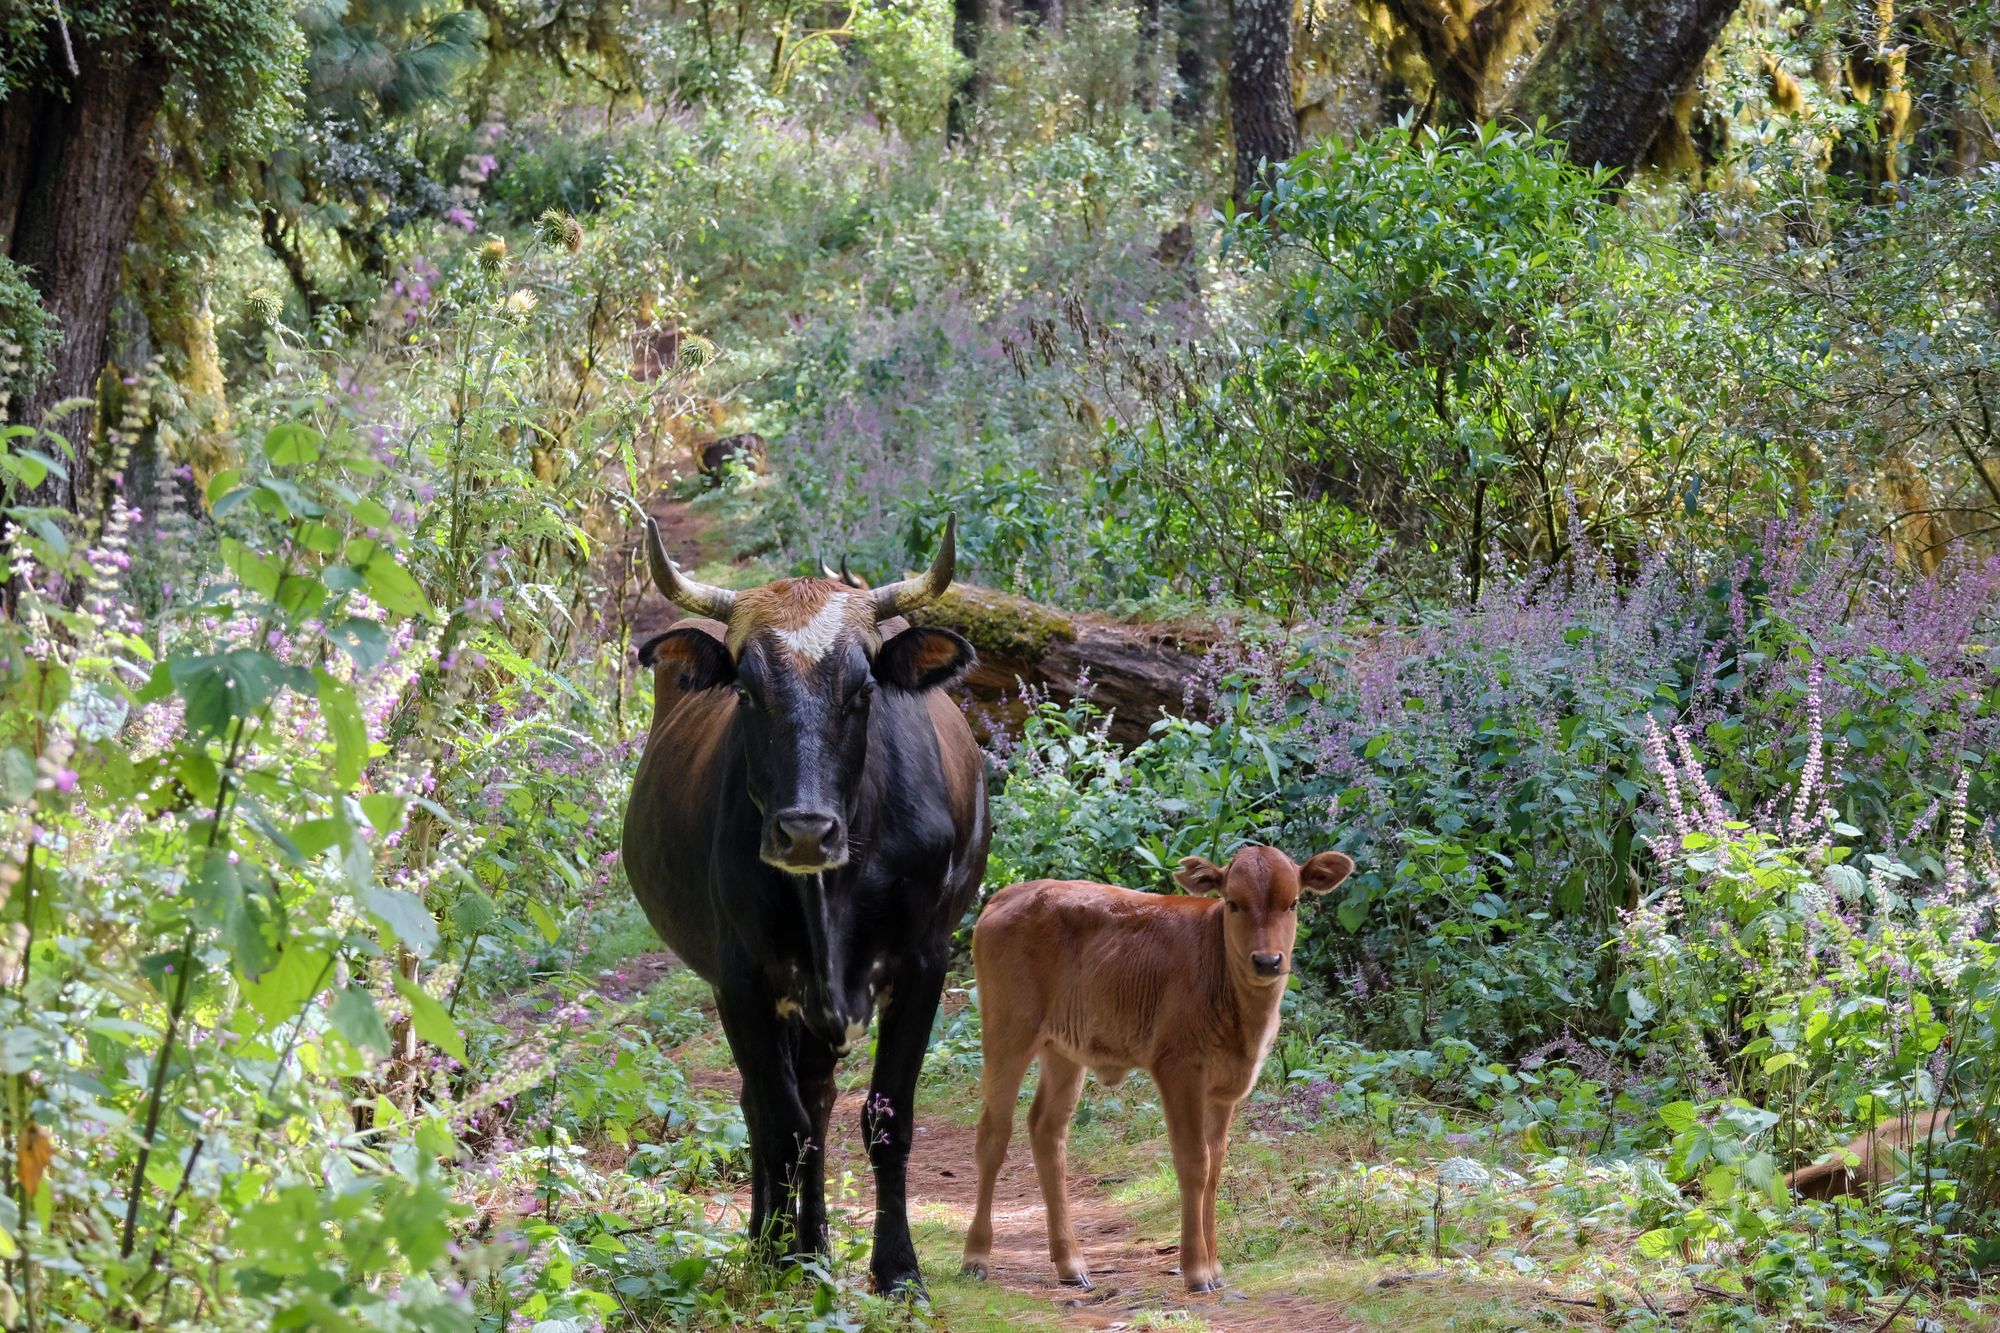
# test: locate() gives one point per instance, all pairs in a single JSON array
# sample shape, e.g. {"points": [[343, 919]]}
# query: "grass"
{"points": [[1340, 1215]]}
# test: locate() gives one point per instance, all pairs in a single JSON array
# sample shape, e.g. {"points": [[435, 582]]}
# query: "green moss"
{"points": [[998, 624]]}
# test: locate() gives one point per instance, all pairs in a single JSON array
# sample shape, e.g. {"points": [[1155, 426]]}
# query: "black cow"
{"points": [[807, 826]]}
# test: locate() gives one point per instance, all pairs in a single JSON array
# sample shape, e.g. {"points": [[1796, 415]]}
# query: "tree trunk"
{"points": [[1466, 48], [967, 16], [1608, 75], [74, 167], [1137, 671], [1260, 90], [1146, 77]]}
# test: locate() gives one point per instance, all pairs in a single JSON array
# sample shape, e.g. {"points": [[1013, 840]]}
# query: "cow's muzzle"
{"points": [[804, 841], [1268, 964]]}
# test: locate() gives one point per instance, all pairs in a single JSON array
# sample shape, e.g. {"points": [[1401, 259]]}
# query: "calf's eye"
{"points": [[1234, 908]]}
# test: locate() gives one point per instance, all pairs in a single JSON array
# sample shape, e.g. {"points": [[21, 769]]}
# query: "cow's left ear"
{"points": [[923, 659], [699, 659], [1324, 872]]}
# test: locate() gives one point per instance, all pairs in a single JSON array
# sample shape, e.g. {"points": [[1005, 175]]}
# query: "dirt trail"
{"points": [[1135, 1273]]}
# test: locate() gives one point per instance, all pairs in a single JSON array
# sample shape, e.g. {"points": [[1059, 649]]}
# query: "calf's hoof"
{"points": [[1203, 1286], [1081, 1281], [974, 1268]]}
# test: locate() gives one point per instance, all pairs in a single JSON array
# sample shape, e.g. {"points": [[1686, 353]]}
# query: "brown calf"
{"points": [[1878, 1156], [1088, 976]]}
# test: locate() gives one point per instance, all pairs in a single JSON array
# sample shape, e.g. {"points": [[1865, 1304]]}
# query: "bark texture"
{"points": [[1137, 670], [1608, 75], [75, 163], [1260, 89], [1466, 46]]}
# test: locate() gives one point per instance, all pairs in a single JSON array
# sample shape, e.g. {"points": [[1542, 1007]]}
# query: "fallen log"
{"points": [[1135, 670]]}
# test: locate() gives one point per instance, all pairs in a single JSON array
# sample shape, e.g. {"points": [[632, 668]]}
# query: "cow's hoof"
{"points": [[1081, 1281], [903, 1286], [1204, 1288], [974, 1268]]}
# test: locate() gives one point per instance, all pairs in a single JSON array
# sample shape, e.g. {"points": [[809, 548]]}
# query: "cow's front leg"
{"points": [[888, 1119], [816, 1064], [762, 1044]]}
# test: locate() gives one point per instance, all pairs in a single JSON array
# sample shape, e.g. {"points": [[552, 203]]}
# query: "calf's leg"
{"points": [[1048, 1130], [1187, 1136], [1001, 1075], [888, 1120], [1217, 1134], [1007, 1054]]}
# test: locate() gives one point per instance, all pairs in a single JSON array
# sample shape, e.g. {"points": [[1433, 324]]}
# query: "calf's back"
{"points": [[1111, 978]]}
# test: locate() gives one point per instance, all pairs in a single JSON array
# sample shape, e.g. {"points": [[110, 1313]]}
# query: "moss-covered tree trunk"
{"points": [[1260, 89], [1608, 75], [76, 158]]}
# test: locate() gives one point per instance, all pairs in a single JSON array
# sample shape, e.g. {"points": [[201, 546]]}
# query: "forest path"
{"points": [[1138, 1283]]}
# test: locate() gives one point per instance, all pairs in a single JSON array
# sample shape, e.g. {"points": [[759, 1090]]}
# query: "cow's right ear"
{"points": [[1199, 876], [701, 660]]}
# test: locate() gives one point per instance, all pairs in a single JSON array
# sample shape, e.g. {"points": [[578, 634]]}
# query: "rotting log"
{"points": [[1135, 670]]}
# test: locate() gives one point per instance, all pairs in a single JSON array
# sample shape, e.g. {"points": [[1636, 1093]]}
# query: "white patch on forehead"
{"points": [[815, 639]]}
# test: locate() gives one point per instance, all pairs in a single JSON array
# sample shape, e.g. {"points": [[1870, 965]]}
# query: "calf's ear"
{"points": [[695, 655], [923, 659], [1325, 871], [1199, 876]]}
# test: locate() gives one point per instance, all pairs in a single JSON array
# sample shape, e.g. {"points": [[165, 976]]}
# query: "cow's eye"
{"points": [[744, 698], [859, 699], [1234, 908]]}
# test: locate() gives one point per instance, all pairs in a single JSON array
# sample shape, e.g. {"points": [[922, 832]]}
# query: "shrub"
{"points": [[28, 332]]}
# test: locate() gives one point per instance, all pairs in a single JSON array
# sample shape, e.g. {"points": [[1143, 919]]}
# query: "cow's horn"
{"points": [[702, 599], [906, 595]]}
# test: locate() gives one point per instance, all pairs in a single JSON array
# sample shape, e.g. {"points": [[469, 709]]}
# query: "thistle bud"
{"points": [[559, 228]]}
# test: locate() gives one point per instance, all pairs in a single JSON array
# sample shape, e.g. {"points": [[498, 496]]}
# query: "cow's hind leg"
{"points": [[888, 1119], [1048, 1130], [1006, 1062]]}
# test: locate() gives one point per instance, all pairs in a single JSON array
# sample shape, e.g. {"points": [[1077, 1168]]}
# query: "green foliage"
{"points": [[28, 332], [1793, 993], [910, 65], [234, 64]]}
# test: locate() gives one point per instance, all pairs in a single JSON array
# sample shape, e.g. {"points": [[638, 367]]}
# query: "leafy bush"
{"points": [[28, 332], [1796, 988]]}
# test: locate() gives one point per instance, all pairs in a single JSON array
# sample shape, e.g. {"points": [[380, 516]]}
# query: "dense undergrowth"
{"points": [[1598, 572]]}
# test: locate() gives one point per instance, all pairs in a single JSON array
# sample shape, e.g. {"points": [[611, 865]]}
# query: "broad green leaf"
{"points": [[384, 810], [391, 585], [222, 687], [355, 1017], [364, 641], [403, 916], [543, 921], [431, 1021], [344, 727], [283, 990], [292, 444], [254, 571]]}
